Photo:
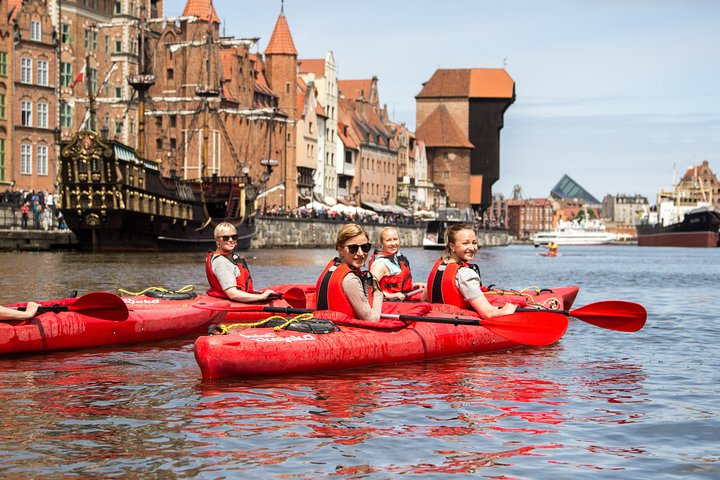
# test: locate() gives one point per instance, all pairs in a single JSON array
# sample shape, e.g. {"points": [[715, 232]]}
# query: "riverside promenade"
{"points": [[271, 233]]}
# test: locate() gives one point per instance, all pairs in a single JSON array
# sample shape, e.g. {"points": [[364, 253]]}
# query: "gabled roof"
{"points": [[315, 65], [281, 42], [440, 130], [569, 189], [226, 61], [354, 89], [13, 7], [260, 85], [203, 9], [469, 83]]}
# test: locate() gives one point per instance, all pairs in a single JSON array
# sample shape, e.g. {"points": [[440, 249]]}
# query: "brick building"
{"points": [[459, 118], [526, 217], [32, 110]]}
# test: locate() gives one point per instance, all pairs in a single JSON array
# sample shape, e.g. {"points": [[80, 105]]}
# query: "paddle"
{"points": [[103, 305], [294, 296], [611, 314], [530, 328]]}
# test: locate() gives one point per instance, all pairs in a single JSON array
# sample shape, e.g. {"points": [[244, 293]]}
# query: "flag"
{"points": [[79, 77]]}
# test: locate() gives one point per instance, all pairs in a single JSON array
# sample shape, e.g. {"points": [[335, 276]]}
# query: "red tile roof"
{"points": [[281, 42], [469, 83], [226, 62], [440, 130], [354, 89], [203, 9], [316, 66], [13, 7]]}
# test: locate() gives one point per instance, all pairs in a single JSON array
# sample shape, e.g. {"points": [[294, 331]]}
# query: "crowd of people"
{"points": [[33, 210], [348, 215]]}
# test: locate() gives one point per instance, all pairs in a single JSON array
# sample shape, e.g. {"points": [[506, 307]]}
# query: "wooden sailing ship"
{"points": [[114, 198]]}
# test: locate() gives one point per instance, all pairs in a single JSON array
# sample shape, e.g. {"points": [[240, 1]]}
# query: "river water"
{"points": [[598, 404]]}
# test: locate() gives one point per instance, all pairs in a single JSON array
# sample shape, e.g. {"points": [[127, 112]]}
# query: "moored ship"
{"points": [[113, 200], [686, 215], [698, 228]]}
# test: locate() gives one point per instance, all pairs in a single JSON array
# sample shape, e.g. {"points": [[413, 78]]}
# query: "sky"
{"points": [[617, 94]]}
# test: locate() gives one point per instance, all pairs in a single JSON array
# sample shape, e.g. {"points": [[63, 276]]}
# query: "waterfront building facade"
{"points": [[624, 209], [526, 217], [459, 117]]}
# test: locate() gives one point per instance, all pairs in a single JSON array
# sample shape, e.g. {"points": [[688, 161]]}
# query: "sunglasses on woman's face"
{"points": [[353, 248], [227, 238]]}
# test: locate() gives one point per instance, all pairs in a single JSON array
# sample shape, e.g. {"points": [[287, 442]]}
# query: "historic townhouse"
{"points": [[6, 84], [310, 135], [33, 158], [376, 167], [323, 74]]}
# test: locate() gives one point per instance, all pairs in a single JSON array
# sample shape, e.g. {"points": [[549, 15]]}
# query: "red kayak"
{"points": [[411, 332], [102, 318]]}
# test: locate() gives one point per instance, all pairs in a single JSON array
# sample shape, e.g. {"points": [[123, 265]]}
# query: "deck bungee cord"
{"points": [[304, 322], [185, 293]]}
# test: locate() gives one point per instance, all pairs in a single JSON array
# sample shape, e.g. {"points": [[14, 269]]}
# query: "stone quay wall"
{"points": [[293, 232]]}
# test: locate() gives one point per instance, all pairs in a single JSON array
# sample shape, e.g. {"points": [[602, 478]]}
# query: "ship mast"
{"points": [[141, 82], [207, 91]]}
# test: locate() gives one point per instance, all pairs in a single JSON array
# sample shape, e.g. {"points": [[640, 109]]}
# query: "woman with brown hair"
{"points": [[343, 286], [455, 281]]}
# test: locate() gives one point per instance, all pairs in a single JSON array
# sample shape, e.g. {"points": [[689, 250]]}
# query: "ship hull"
{"points": [[698, 229], [113, 200]]}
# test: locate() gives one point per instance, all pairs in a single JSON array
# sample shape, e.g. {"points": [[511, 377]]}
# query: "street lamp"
{"points": [[268, 164]]}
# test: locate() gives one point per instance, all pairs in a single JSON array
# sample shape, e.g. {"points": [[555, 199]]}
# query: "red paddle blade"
{"points": [[613, 314], [529, 328], [105, 305], [295, 297]]}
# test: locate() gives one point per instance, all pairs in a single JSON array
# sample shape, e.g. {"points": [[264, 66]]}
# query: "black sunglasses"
{"points": [[227, 238], [353, 248]]}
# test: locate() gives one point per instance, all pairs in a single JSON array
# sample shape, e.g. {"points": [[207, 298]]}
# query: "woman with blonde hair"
{"points": [[227, 272], [455, 281], [343, 286], [392, 268]]}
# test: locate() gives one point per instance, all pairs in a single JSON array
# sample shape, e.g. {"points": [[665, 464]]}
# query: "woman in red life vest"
{"points": [[455, 281], [343, 286], [392, 268], [227, 271]]}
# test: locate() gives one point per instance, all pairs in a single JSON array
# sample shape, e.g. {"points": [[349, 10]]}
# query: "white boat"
{"points": [[586, 232]]}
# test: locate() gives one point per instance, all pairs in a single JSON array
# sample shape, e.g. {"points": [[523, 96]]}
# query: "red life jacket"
{"points": [[243, 281], [441, 284], [400, 282], [330, 294]]}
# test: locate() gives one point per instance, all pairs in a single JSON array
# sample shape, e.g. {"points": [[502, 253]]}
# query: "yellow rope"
{"points": [[185, 289], [225, 329]]}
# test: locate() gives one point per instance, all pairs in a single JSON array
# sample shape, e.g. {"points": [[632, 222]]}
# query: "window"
{"points": [[170, 73], [65, 115], [87, 39], [118, 92], [35, 31], [65, 33], [42, 160], [118, 7], [42, 72], [158, 144], [42, 115], [94, 40], [3, 108], [26, 70], [3, 64], [92, 73], [118, 46], [65, 74], [26, 159], [173, 121], [107, 44], [26, 113], [118, 127]]}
